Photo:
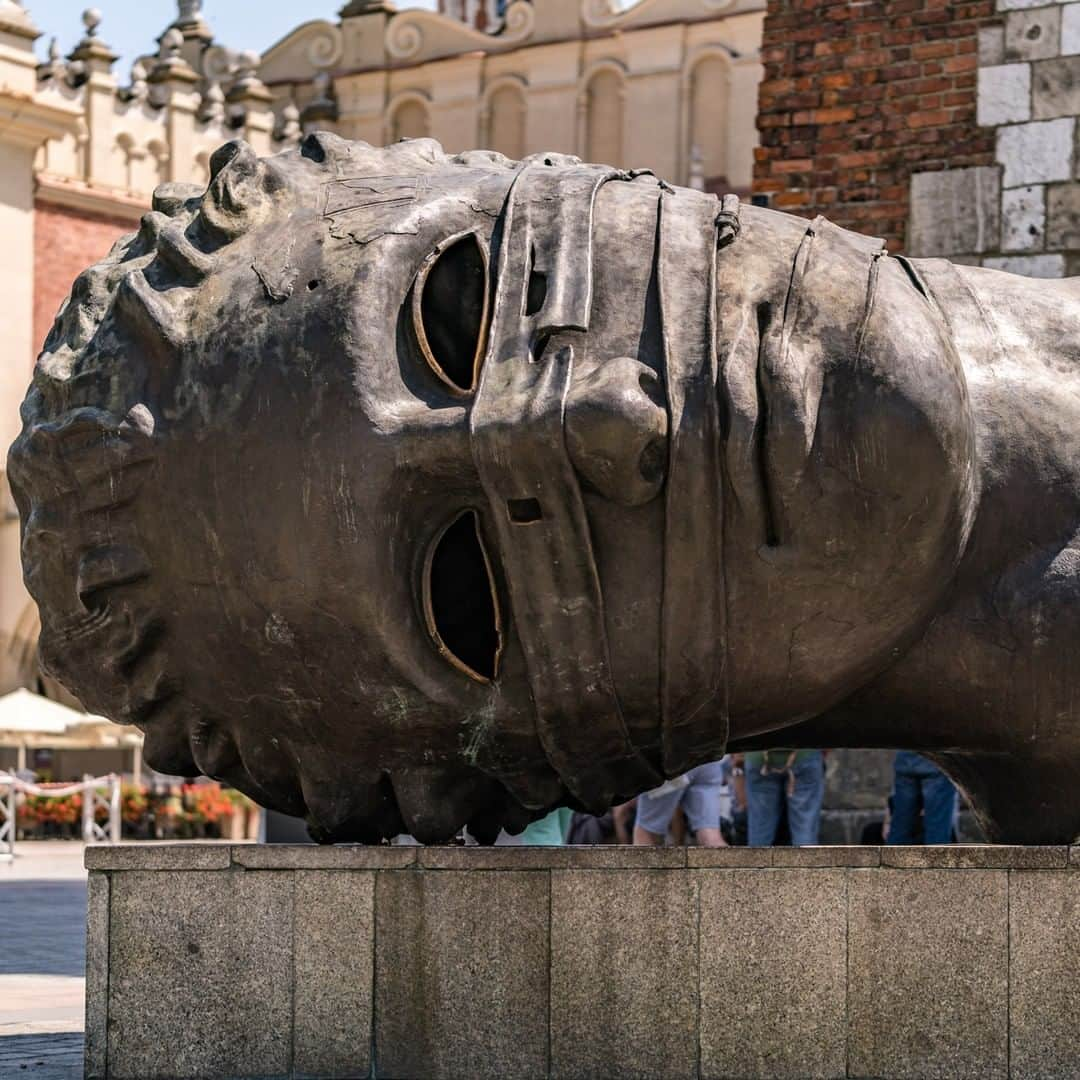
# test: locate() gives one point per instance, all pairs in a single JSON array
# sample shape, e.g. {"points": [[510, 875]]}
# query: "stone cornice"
{"points": [[89, 199], [16, 20], [25, 121]]}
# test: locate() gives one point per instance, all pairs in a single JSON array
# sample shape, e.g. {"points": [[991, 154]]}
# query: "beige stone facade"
{"points": [[669, 85]]}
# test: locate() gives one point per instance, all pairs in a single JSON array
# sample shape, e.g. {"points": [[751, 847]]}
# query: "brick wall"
{"points": [[858, 96], [66, 242]]}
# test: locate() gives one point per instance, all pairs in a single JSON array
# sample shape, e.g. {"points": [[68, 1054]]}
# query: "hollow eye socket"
{"points": [[450, 301], [460, 604]]}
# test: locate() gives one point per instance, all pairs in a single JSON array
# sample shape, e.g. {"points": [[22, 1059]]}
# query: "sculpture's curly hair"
{"points": [[111, 381]]}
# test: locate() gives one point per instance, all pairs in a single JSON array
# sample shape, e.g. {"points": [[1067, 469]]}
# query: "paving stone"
{"points": [[1036, 266], [975, 856], [323, 857], [991, 45], [1063, 216], [927, 973], [1036, 153], [773, 973], [1044, 959], [624, 976], [333, 931], [1055, 88], [1004, 94], [1033, 34], [169, 856], [200, 973], [97, 974], [1023, 218], [461, 985], [954, 211], [1070, 29], [512, 857]]}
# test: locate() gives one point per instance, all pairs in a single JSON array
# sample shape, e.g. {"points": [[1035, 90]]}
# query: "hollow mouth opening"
{"points": [[461, 607]]}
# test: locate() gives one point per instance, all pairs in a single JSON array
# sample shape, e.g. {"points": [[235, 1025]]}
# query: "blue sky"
{"points": [[129, 27]]}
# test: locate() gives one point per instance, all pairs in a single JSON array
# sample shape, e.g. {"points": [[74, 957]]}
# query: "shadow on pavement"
{"points": [[44, 927]]}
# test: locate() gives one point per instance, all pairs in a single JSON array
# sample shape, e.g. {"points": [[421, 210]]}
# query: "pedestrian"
{"points": [[697, 793], [919, 784], [784, 787]]}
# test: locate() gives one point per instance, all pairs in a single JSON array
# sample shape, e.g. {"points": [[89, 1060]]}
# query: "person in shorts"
{"points": [[697, 793]]}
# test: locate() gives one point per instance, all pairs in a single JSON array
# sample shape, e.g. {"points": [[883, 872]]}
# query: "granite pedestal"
{"points": [[281, 961]]}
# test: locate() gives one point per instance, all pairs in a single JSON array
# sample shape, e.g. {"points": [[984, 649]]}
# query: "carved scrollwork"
{"points": [[403, 36], [411, 32], [325, 46]]}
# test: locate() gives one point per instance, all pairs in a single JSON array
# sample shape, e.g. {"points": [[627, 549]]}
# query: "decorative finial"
{"points": [[91, 52], [289, 130], [246, 78], [212, 109], [322, 107], [190, 22], [171, 43], [91, 19], [137, 91], [169, 67], [54, 67]]}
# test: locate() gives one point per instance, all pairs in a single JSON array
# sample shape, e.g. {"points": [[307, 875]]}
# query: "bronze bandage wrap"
{"points": [[536, 505], [539, 516], [693, 629]]}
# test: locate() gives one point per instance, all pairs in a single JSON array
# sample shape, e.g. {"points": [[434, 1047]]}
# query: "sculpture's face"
{"points": [[354, 484]]}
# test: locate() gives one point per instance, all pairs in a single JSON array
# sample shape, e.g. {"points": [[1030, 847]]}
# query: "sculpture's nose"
{"points": [[616, 430]]}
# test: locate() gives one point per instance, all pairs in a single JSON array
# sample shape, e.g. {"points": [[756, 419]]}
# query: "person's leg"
{"points": [[654, 810], [905, 808], [804, 801], [764, 802], [939, 808], [701, 804]]}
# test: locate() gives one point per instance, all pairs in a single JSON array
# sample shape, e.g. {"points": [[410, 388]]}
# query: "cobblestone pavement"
{"points": [[42, 960]]}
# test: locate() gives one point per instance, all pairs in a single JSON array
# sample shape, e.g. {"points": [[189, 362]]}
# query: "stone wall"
{"points": [[1029, 94], [857, 97], [276, 961]]}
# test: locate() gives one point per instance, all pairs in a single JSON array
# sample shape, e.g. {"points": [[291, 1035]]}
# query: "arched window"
{"points": [[709, 119], [410, 121], [604, 118], [506, 124]]}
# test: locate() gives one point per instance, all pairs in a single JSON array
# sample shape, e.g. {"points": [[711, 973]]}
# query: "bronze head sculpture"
{"points": [[408, 491]]}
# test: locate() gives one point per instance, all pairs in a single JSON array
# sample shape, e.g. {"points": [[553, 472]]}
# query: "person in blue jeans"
{"points": [[779, 781], [919, 783]]}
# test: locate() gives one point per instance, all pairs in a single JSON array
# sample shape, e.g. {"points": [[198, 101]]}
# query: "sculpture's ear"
{"points": [[450, 304]]}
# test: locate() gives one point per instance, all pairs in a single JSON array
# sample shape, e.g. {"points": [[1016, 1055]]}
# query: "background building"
{"points": [[669, 85], [947, 128]]}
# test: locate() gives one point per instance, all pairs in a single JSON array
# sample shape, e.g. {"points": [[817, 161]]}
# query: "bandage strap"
{"points": [[537, 511], [693, 690]]}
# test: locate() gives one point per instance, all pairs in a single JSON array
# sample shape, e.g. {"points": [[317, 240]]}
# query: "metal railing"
{"points": [[101, 792], [7, 816]]}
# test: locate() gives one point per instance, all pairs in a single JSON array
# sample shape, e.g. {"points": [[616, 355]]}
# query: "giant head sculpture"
{"points": [[409, 491]]}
